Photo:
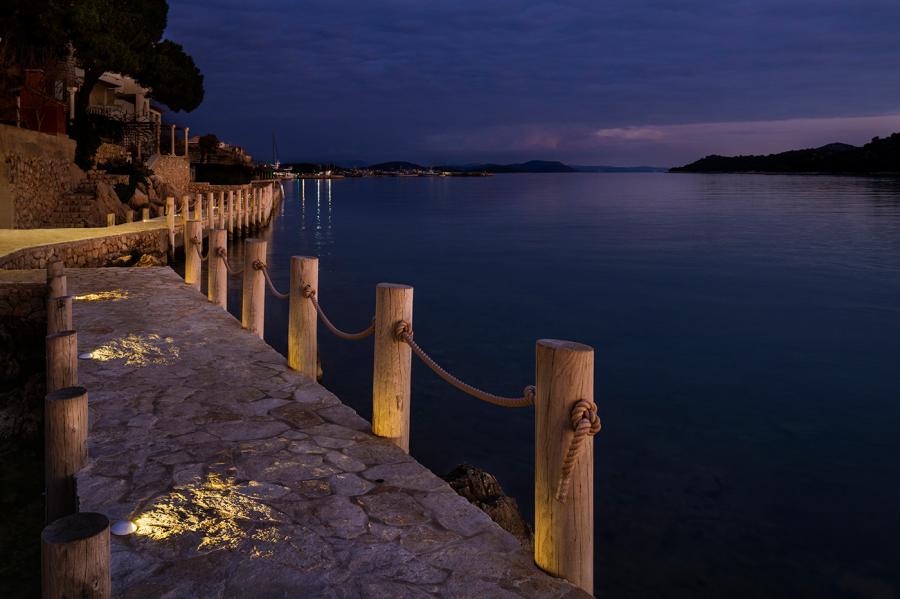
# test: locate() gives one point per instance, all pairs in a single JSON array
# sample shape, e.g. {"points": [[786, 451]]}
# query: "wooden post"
{"points": [[170, 224], [563, 532], [65, 448], [193, 250], [145, 214], [302, 319], [253, 308], [198, 207], [56, 280], [110, 220], [59, 314], [185, 210], [245, 212], [75, 557], [217, 282], [210, 211], [392, 371], [62, 360], [220, 211], [230, 214], [129, 216]]}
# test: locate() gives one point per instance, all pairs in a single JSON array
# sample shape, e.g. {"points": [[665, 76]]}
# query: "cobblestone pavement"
{"points": [[246, 479]]}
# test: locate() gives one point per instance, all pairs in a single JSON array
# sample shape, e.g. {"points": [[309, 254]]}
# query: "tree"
{"points": [[124, 36]]}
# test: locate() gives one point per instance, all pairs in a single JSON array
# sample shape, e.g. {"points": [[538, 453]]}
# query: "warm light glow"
{"points": [[113, 296], [139, 350], [220, 513]]}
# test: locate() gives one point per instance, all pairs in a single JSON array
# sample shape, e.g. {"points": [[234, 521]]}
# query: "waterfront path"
{"points": [[12, 240], [246, 479]]}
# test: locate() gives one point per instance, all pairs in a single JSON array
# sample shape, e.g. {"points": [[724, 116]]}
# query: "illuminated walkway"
{"points": [[12, 240], [246, 479]]}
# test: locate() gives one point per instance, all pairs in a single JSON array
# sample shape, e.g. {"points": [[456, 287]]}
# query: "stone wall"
{"points": [[174, 170], [86, 253], [36, 169]]}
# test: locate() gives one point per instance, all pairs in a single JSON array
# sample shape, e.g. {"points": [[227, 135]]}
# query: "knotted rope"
{"points": [[586, 424], [260, 265], [198, 245], [403, 332], [310, 293], [224, 256]]}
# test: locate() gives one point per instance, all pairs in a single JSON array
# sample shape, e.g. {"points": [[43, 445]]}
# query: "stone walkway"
{"points": [[12, 240], [246, 479]]}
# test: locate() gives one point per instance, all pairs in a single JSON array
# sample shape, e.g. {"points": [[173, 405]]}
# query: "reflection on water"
{"points": [[747, 333]]}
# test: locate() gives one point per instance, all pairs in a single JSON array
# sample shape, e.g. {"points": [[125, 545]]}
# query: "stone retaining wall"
{"points": [[174, 170], [36, 169], [93, 252]]}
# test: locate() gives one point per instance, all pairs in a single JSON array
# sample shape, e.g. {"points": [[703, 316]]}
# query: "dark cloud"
{"points": [[471, 80]]}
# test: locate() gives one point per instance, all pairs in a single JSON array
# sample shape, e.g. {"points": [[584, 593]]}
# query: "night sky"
{"points": [[657, 82]]}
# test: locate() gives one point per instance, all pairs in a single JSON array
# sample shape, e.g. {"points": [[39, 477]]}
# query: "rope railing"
{"points": [[259, 265], [310, 294], [404, 333], [565, 413]]}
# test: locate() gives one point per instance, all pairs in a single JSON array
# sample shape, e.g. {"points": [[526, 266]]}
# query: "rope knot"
{"points": [[403, 331], [308, 291], [529, 392], [220, 251], [259, 265], [584, 413], [196, 241]]}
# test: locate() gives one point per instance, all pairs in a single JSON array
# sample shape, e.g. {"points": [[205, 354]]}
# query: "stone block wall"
{"points": [[87, 253], [174, 170], [36, 170]]}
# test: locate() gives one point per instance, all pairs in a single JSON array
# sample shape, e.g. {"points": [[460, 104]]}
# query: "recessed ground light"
{"points": [[123, 527], [85, 356]]}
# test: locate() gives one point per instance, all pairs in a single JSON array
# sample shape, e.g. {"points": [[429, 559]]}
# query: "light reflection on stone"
{"points": [[215, 510], [112, 296], [139, 350]]}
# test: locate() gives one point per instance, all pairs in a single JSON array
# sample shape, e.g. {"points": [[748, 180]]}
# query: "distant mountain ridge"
{"points": [[881, 155]]}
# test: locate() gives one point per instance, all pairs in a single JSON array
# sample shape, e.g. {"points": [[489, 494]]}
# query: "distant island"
{"points": [[411, 169], [879, 156]]}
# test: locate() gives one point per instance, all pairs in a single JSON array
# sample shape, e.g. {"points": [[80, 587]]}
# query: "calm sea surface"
{"points": [[747, 331]]}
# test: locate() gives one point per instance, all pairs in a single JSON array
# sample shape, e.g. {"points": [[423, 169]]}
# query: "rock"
{"points": [[122, 260], [150, 260], [139, 199], [484, 492], [107, 201]]}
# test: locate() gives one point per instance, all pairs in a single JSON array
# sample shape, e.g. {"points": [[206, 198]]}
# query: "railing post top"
{"points": [[304, 259], [566, 346], [393, 286], [75, 527], [66, 393]]}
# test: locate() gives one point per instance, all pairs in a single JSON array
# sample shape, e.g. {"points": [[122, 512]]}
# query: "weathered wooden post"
{"points": [[59, 314], [111, 220], [65, 448], [302, 319], [129, 216], [220, 211], [245, 209], [230, 214], [145, 214], [62, 360], [185, 211], [170, 224], [217, 279], [210, 211], [392, 370], [75, 557], [56, 280], [193, 251], [253, 308], [563, 530]]}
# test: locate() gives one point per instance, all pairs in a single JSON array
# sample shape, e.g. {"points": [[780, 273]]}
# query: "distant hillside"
{"points": [[397, 165], [881, 155]]}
